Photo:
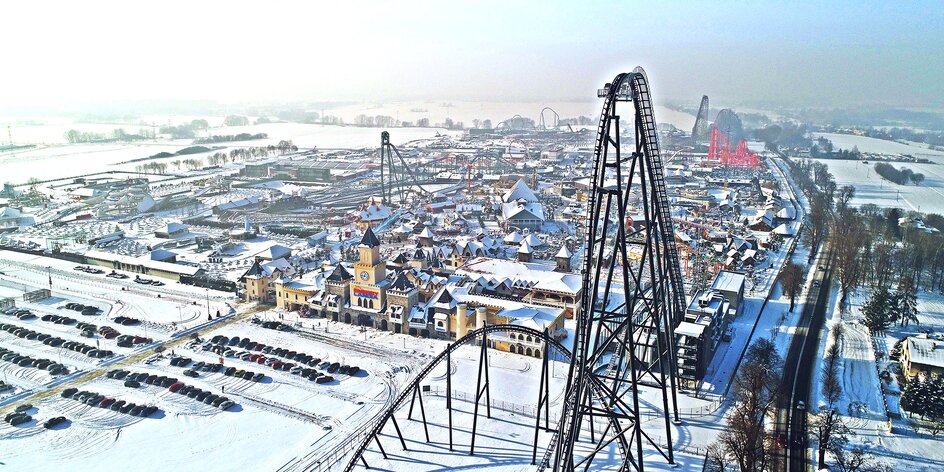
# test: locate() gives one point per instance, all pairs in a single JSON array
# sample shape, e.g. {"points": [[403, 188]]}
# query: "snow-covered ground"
{"points": [[283, 420], [872, 188], [862, 404], [880, 146]]}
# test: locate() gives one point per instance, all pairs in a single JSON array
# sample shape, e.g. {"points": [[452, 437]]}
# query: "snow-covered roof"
{"points": [[275, 251], [522, 210], [162, 255], [540, 276], [514, 237], [564, 253], [538, 318], [729, 281], [172, 228], [144, 261], [926, 351], [784, 230], [787, 213], [532, 240], [686, 328], [375, 213], [519, 191], [525, 248]]}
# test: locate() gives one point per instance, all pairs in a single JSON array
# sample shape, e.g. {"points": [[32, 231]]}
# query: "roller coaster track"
{"points": [[397, 171], [413, 386], [654, 283], [700, 130], [628, 308]]}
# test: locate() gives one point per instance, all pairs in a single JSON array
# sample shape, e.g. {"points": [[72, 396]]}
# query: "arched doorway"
{"points": [[424, 333], [383, 325], [537, 353], [412, 331], [334, 317], [363, 320], [347, 318], [520, 349], [528, 352]]}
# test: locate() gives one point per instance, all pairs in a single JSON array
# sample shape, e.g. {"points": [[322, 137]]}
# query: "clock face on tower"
{"points": [[364, 275]]}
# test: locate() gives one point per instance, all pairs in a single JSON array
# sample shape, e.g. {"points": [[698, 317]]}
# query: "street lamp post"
{"points": [[208, 302]]}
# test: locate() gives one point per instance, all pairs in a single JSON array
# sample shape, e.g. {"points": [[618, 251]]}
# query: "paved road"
{"points": [[799, 372]]}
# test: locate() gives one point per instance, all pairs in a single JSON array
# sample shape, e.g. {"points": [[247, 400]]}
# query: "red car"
{"points": [[276, 365], [106, 403], [176, 386], [253, 357]]}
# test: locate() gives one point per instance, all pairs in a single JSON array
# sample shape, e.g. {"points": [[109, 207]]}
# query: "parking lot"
{"points": [[244, 385]]}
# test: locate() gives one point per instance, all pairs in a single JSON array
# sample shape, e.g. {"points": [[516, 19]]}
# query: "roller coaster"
{"points": [[627, 314], [400, 179], [700, 130]]}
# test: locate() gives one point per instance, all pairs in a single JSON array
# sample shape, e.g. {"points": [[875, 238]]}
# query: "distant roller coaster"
{"points": [[628, 311]]}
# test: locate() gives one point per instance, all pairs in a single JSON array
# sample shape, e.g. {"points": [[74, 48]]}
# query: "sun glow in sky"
{"points": [[817, 53]]}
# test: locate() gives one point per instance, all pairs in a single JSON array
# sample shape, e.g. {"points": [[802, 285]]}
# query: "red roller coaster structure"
{"points": [[719, 150]]}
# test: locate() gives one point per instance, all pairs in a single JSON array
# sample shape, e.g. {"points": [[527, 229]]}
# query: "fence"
{"points": [[878, 373]]}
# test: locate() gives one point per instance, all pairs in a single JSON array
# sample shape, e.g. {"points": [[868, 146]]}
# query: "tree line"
{"points": [[230, 138], [899, 176], [74, 136]]}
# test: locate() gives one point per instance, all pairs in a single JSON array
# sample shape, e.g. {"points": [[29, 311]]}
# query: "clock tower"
{"points": [[369, 271]]}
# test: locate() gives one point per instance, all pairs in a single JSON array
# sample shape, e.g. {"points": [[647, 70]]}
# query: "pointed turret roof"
{"points": [[370, 239], [402, 283], [564, 252], [525, 248], [340, 274]]}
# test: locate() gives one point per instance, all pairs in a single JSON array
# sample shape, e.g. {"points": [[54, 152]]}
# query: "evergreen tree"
{"points": [[907, 302], [876, 310]]}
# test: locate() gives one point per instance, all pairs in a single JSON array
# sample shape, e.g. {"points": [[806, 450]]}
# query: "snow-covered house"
{"points": [[521, 209]]}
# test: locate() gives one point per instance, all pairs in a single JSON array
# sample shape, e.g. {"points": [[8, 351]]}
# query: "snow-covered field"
{"points": [[880, 146], [66, 160], [872, 188]]}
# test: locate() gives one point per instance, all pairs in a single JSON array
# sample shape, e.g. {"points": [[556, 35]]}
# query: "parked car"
{"points": [[20, 419]]}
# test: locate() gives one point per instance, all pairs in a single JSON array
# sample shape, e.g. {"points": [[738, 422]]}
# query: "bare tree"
{"points": [[791, 281], [754, 391], [855, 459], [849, 238], [827, 427]]}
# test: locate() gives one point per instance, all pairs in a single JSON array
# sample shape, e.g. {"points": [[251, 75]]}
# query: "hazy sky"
{"points": [[811, 53]]}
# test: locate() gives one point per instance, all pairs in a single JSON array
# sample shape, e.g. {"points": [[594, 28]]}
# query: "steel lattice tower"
{"points": [[632, 298]]}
